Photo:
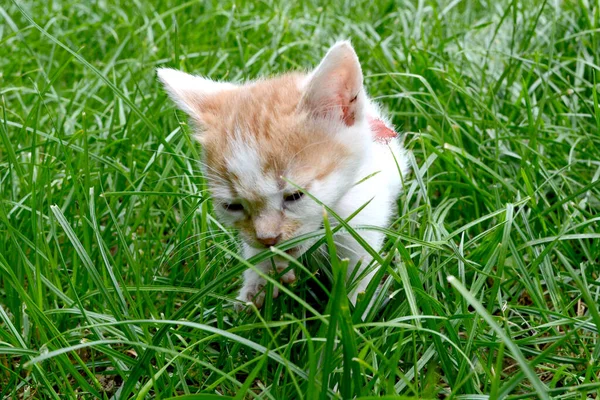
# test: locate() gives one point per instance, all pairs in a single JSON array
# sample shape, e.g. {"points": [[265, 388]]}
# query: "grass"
{"points": [[116, 280]]}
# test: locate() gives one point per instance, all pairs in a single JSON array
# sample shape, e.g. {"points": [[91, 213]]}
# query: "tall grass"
{"points": [[117, 282]]}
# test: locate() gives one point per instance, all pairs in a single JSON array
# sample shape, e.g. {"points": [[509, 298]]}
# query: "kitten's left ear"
{"points": [[190, 92], [334, 90]]}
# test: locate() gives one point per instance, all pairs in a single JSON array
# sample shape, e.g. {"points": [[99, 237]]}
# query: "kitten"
{"points": [[318, 130]]}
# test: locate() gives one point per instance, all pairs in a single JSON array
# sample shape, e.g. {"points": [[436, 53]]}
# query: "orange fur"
{"points": [[268, 112]]}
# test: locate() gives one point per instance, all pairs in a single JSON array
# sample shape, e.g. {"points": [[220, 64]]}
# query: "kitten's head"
{"points": [[309, 129]]}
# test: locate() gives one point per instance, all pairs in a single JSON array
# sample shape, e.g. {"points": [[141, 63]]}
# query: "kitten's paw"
{"points": [[288, 277], [253, 293]]}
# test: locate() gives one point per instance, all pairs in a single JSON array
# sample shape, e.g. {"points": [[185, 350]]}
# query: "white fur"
{"points": [[245, 162]]}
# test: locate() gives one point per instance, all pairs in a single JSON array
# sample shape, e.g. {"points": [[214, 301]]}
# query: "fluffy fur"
{"points": [[318, 130]]}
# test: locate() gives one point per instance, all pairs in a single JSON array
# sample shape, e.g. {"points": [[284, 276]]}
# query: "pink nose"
{"points": [[269, 241]]}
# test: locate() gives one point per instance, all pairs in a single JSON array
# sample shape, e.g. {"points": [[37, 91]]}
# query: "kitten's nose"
{"points": [[269, 240]]}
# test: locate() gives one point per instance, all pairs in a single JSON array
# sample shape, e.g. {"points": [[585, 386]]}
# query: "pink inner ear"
{"points": [[348, 110], [381, 132]]}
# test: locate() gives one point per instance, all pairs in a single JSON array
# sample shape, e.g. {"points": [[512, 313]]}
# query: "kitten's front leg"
{"points": [[253, 287], [252, 290], [349, 248]]}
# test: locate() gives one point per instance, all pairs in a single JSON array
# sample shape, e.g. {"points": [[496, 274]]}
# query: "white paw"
{"points": [[288, 277], [253, 293]]}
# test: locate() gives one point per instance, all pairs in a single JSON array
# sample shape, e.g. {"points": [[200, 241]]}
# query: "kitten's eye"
{"points": [[293, 197], [233, 206]]}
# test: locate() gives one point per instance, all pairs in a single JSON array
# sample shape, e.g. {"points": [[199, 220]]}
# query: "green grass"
{"points": [[116, 280]]}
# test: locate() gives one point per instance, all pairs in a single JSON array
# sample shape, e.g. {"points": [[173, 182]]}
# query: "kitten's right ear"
{"points": [[190, 92], [335, 88]]}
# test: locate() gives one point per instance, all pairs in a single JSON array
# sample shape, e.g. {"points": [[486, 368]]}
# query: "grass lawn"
{"points": [[116, 281]]}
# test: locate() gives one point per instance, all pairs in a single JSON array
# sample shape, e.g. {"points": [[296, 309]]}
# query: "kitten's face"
{"points": [[262, 138]]}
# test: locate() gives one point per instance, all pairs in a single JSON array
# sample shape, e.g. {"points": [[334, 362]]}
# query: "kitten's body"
{"points": [[319, 131]]}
